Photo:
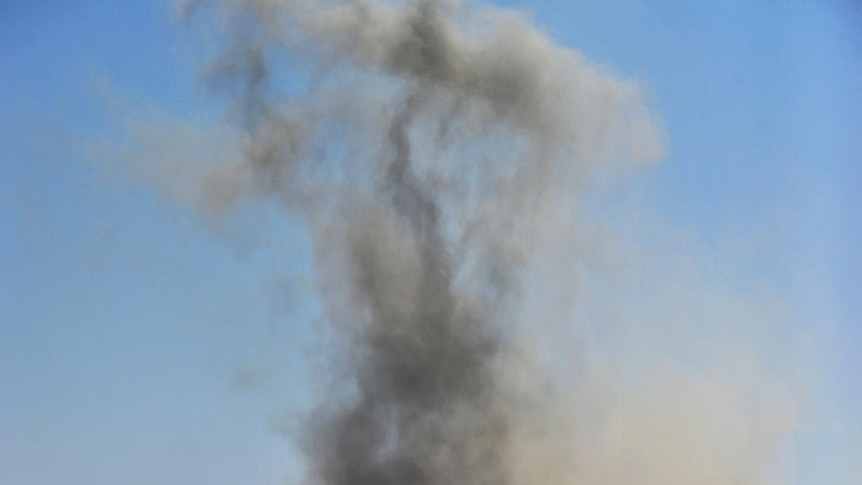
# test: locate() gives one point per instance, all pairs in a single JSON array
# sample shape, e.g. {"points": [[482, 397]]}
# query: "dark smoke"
{"points": [[434, 150], [454, 123], [427, 407]]}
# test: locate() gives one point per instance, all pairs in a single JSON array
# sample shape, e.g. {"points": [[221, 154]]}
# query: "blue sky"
{"points": [[124, 357]]}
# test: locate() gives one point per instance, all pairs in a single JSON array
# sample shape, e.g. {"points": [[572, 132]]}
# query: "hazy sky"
{"points": [[126, 353]]}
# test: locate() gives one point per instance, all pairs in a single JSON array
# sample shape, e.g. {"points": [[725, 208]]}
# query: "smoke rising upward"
{"points": [[453, 123], [430, 148]]}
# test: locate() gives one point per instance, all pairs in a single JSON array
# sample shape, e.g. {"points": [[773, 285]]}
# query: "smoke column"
{"points": [[428, 148]]}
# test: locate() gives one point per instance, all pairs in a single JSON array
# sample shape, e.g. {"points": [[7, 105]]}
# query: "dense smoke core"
{"points": [[434, 150], [420, 155]]}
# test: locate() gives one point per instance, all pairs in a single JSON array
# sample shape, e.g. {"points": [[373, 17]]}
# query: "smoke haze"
{"points": [[445, 158]]}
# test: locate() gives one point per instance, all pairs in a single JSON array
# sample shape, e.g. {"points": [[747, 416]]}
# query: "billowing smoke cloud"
{"points": [[438, 153]]}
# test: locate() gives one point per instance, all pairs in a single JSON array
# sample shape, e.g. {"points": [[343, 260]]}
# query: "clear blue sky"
{"points": [[122, 343]]}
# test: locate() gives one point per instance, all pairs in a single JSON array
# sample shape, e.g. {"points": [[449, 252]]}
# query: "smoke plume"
{"points": [[438, 153]]}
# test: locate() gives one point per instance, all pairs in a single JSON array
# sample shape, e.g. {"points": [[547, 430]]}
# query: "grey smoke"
{"points": [[424, 347], [433, 149]]}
